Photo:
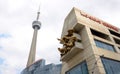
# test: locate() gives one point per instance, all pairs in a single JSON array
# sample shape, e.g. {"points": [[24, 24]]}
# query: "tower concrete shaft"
{"points": [[32, 53]]}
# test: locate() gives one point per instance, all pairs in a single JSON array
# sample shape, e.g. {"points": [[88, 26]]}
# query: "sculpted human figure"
{"points": [[68, 42], [63, 49]]}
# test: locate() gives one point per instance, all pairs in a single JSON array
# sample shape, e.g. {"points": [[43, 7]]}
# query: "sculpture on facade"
{"points": [[68, 42]]}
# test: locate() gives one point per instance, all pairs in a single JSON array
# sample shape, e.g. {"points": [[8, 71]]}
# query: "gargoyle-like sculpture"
{"points": [[68, 42]]}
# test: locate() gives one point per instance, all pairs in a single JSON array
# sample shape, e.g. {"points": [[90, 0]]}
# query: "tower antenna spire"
{"points": [[38, 13]]}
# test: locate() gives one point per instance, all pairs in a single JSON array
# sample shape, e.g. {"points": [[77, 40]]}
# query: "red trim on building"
{"points": [[99, 21]]}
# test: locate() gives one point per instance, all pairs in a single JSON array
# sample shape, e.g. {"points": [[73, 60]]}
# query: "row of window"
{"points": [[117, 35], [79, 69], [110, 66], [99, 34], [104, 45], [114, 33], [106, 37]]}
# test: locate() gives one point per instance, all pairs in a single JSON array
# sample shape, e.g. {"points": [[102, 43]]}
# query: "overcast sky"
{"points": [[16, 17]]}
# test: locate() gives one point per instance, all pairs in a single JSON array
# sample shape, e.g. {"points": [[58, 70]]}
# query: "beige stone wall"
{"points": [[69, 22], [90, 52]]}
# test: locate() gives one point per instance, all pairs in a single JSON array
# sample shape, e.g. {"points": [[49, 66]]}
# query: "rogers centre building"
{"points": [[98, 52]]}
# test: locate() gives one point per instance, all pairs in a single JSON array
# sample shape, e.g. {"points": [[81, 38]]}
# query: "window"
{"points": [[104, 45], [99, 34], [79, 69], [119, 47], [114, 33], [111, 66], [116, 40]]}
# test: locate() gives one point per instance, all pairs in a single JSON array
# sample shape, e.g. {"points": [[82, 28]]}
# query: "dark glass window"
{"points": [[104, 45], [111, 66], [100, 34], [114, 33], [117, 40], [79, 69], [119, 47]]}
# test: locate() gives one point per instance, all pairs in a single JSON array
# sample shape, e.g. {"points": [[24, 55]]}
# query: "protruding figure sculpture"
{"points": [[68, 42]]}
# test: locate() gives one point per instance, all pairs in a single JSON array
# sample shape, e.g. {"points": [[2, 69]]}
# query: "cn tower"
{"points": [[36, 26]]}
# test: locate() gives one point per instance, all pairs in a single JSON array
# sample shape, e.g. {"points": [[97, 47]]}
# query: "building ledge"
{"points": [[76, 49]]}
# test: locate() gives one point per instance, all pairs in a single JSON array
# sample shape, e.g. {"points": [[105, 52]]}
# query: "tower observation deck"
{"points": [[36, 25]]}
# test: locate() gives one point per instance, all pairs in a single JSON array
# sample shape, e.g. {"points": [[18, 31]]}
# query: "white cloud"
{"points": [[16, 20]]}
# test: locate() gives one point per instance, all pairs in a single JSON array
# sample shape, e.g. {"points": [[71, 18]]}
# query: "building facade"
{"points": [[39, 67], [98, 49]]}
